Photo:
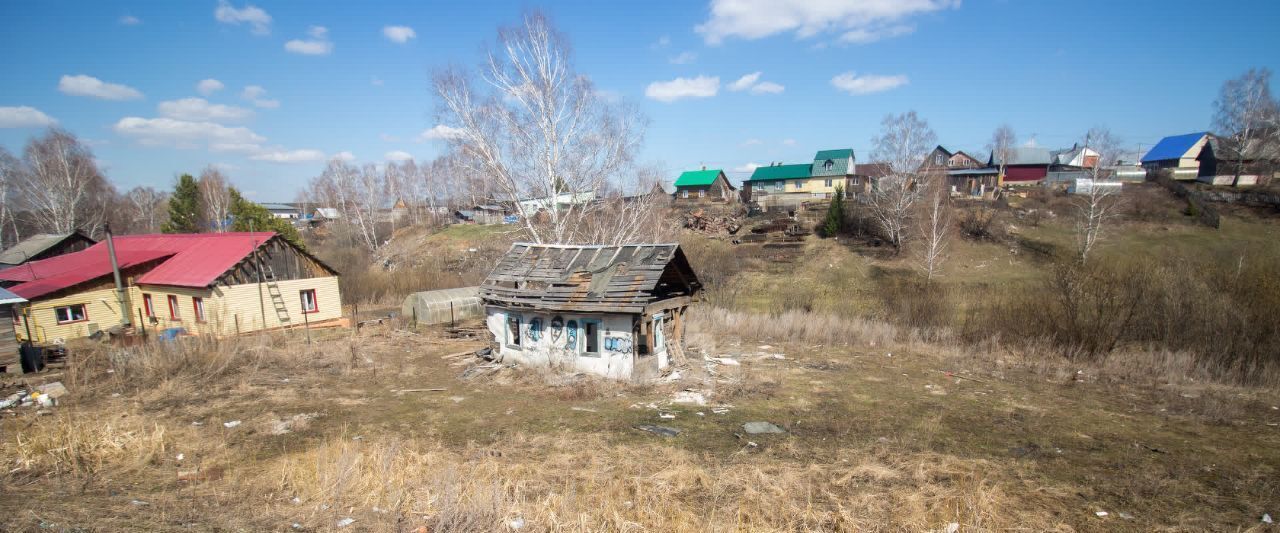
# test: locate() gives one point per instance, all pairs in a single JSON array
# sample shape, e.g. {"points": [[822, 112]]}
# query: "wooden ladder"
{"points": [[277, 299]]}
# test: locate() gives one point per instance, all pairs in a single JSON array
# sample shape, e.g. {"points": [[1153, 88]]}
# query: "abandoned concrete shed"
{"points": [[614, 311], [443, 306]]}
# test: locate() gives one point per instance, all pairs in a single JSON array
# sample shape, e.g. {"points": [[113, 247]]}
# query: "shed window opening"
{"points": [[590, 338], [71, 313], [173, 308], [513, 331], [685, 193], [197, 304], [659, 343], [148, 306], [702, 194], [309, 303]]}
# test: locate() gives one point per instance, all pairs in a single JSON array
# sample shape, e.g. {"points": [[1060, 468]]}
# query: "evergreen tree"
{"points": [[835, 214], [184, 207], [249, 216]]}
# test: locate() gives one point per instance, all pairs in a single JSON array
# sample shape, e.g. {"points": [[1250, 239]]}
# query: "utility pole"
{"points": [[122, 297]]}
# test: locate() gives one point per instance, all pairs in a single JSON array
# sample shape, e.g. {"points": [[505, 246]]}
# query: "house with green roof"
{"points": [[705, 186], [780, 184]]}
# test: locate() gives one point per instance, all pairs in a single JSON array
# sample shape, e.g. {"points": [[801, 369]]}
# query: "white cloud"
{"points": [[344, 156], [754, 19], [662, 42], [871, 35], [318, 45], [684, 58], [189, 134], [749, 167], [209, 86], [767, 87], [789, 142], [398, 155], [82, 85], [745, 82], [399, 34], [670, 91], [258, 20], [752, 142], [751, 82], [199, 109], [852, 83], [130, 20], [290, 156], [439, 132], [258, 96], [376, 81], [24, 117]]}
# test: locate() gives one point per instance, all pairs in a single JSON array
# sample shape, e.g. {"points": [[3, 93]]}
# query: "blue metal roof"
{"points": [[1173, 147]]}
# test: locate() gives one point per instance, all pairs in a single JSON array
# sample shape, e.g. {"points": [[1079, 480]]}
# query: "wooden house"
{"points": [[212, 283], [1026, 165], [44, 246], [1178, 155], [613, 311], [8, 339], [697, 186]]}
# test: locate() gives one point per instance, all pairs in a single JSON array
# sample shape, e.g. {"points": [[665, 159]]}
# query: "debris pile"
{"points": [[43, 396], [703, 222]]}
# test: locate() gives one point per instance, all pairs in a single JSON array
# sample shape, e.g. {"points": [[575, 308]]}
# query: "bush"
{"points": [[976, 223]]}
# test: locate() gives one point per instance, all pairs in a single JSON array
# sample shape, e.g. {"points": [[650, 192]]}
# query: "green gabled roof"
{"points": [[697, 178], [842, 153], [839, 162], [781, 172]]}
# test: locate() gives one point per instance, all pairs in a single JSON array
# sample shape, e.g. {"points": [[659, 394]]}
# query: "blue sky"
{"points": [[332, 80]]}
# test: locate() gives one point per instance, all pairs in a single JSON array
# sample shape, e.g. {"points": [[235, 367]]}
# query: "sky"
{"points": [[270, 90]]}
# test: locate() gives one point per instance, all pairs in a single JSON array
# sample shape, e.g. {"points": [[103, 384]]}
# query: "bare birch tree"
{"points": [[61, 185], [356, 193], [935, 225], [537, 128], [1247, 114], [10, 172], [904, 142], [215, 198], [1106, 144], [148, 208], [1094, 210], [1001, 146], [631, 214]]}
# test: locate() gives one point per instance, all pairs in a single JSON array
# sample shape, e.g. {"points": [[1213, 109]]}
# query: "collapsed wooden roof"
{"points": [[619, 279]]}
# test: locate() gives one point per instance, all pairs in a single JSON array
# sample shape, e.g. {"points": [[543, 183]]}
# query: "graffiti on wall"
{"points": [[617, 344], [557, 328], [571, 335], [535, 329]]}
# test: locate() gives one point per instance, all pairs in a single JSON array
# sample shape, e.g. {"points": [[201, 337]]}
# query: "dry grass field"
{"points": [[882, 434]]}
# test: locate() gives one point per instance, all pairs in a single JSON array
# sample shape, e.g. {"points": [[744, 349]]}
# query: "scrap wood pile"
{"points": [[703, 222]]}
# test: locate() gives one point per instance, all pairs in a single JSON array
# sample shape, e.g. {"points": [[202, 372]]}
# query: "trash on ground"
{"points": [[295, 422], [231, 424], [756, 428], [667, 416], [726, 361], [659, 430], [1266, 518], [1101, 514], [583, 409], [688, 396], [953, 527], [720, 410], [516, 523], [346, 522]]}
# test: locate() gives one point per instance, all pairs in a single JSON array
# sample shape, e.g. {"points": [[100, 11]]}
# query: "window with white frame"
{"points": [[309, 302], [828, 182], [197, 303], [797, 184], [702, 194], [684, 193], [937, 159], [70, 313]]}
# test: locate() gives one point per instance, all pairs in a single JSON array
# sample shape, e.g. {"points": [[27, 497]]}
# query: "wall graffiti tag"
{"points": [[535, 329], [617, 344], [557, 328], [571, 335]]}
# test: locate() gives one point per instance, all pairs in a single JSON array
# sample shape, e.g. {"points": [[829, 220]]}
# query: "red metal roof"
{"points": [[190, 260]]}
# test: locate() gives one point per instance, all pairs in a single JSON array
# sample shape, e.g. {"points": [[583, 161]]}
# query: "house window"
{"points": [[828, 182], [797, 184], [147, 306], [702, 194], [658, 340], [828, 164], [173, 308], [684, 194], [591, 338], [71, 313], [777, 185], [197, 303], [853, 181], [309, 303], [937, 159], [513, 330]]}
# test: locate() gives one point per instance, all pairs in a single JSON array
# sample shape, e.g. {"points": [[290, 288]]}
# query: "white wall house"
{"points": [[612, 311]]}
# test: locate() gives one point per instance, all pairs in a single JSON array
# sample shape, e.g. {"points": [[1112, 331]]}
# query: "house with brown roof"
{"points": [[613, 311], [43, 246], [214, 283]]}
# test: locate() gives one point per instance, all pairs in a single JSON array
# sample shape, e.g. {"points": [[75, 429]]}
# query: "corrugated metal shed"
{"points": [[620, 279], [1173, 147]]}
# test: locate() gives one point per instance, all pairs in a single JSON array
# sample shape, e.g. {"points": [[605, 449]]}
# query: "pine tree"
{"points": [[249, 216], [835, 214], [184, 207]]}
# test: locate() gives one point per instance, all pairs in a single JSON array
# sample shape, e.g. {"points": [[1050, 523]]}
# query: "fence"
{"points": [[1197, 204]]}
